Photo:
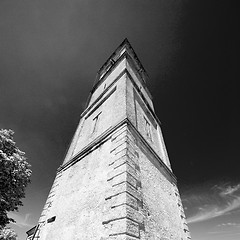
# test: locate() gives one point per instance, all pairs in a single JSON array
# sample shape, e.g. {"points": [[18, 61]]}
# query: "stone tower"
{"points": [[116, 181]]}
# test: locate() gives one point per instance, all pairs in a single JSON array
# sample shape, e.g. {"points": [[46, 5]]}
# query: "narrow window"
{"points": [[95, 122], [148, 129], [52, 219]]}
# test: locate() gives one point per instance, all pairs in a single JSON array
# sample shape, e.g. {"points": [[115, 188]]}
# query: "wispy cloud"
{"points": [[229, 191], [224, 234], [21, 220], [217, 203], [228, 224]]}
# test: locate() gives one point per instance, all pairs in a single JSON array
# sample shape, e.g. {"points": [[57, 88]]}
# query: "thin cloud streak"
{"points": [[230, 190], [228, 224], [21, 221], [214, 211], [224, 234], [229, 202]]}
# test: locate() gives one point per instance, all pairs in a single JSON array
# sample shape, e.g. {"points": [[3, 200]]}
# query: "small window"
{"points": [[148, 129], [95, 122], [52, 219]]}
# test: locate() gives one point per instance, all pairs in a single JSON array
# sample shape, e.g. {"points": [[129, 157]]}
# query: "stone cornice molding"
{"points": [[125, 71], [113, 61], [106, 136]]}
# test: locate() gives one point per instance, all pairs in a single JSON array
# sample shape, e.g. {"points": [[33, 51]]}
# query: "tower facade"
{"points": [[116, 181]]}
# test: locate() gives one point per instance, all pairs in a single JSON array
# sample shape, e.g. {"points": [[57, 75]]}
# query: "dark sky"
{"points": [[50, 52]]}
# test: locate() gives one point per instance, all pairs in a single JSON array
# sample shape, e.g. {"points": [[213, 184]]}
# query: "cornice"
{"points": [[112, 62], [116, 54], [106, 136]]}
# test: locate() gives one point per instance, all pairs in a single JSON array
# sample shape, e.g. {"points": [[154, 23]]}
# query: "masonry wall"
{"points": [[164, 218], [138, 113], [118, 191], [78, 201], [144, 202], [116, 182]]}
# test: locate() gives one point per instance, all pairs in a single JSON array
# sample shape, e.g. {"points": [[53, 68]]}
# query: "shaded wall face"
{"points": [[138, 83], [147, 125], [160, 202]]}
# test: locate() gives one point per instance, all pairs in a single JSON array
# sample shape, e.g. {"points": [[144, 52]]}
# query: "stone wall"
{"points": [[79, 199], [116, 182]]}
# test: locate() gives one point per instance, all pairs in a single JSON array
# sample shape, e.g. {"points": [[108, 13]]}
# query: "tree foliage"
{"points": [[14, 176], [7, 233]]}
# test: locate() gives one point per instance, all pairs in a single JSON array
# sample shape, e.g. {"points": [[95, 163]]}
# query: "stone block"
{"points": [[121, 188], [123, 211], [121, 169], [124, 198], [124, 226]]}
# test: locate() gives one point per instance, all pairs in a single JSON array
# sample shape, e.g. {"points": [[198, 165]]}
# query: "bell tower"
{"points": [[116, 181]]}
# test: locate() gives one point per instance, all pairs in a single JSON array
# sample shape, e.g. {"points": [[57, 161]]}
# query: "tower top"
{"points": [[124, 49]]}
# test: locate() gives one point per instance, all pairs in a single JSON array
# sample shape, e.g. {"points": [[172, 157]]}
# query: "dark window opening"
{"points": [[52, 219], [148, 129], [95, 122]]}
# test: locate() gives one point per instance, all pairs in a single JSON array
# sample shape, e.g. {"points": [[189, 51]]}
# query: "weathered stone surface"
{"points": [[123, 226], [125, 167], [124, 177], [125, 187], [124, 198], [123, 211]]}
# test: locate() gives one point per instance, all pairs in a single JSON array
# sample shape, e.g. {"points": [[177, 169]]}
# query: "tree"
{"points": [[7, 233], [14, 176]]}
